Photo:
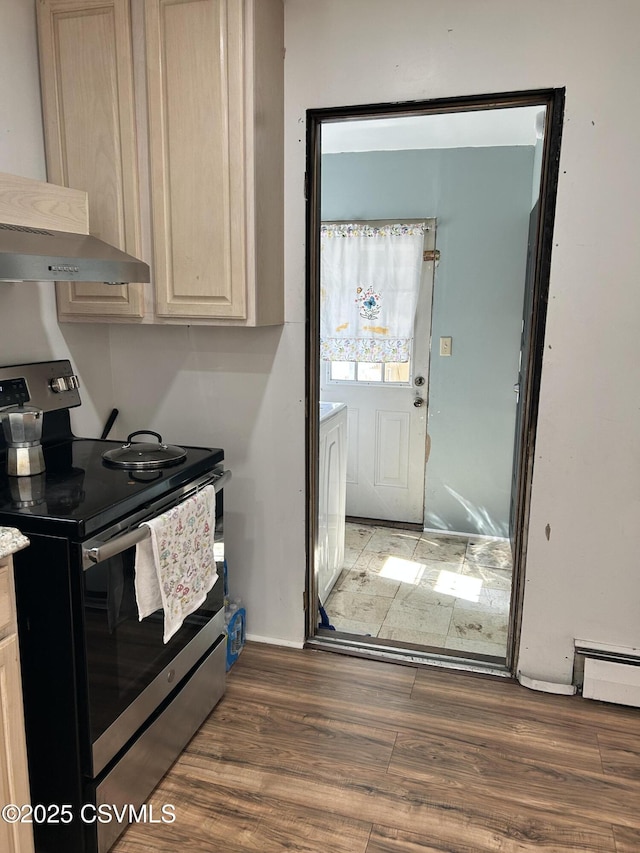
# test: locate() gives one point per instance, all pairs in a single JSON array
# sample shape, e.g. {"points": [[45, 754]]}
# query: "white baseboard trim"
{"points": [[275, 641], [546, 686]]}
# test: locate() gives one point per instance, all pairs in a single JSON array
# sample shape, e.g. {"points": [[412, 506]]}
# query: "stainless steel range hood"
{"points": [[38, 254]]}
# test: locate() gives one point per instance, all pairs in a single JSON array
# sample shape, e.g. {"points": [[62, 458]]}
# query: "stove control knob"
{"points": [[59, 384], [64, 383]]}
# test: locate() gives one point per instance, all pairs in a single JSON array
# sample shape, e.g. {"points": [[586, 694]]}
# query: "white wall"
{"points": [[242, 390], [583, 581], [28, 327]]}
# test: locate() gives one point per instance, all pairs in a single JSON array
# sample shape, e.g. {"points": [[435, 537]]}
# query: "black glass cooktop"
{"points": [[78, 494]]}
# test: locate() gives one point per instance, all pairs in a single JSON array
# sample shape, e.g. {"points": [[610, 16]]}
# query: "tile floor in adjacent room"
{"points": [[443, 591]]}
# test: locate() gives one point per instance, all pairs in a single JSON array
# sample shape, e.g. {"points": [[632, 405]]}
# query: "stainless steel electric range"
{"points": [[108, 704]]}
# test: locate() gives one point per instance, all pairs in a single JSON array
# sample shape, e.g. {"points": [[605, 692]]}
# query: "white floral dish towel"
{"points": [[175, 567]]}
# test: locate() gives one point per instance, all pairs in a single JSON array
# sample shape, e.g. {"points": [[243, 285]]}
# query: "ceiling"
{"points": [[490, 127]]}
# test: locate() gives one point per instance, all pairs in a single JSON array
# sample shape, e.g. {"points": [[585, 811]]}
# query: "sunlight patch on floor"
{"points": [[459, 586], [406, 571]]}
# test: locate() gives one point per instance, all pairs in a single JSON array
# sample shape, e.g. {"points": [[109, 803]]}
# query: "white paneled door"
{"points": [[387, 419]]}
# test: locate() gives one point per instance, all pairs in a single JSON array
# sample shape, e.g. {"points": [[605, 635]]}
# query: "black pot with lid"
{"points": [[144, 455]]}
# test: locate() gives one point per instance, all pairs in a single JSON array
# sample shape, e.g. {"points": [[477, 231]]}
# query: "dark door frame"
{"points": [[553, 100]]}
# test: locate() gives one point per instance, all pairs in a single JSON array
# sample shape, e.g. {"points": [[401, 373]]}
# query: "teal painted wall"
{"points": [[481, 198]]}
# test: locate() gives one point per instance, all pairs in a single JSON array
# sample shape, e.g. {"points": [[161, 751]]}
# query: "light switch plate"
{"points": [[445, 346]]}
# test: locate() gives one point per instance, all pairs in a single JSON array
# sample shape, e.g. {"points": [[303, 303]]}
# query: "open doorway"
{"points": [[478, 176]]}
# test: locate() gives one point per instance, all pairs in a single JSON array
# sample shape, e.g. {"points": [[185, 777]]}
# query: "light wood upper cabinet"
{"points": [[196, 146], [207, 135], [14, 777], [86, 67]]}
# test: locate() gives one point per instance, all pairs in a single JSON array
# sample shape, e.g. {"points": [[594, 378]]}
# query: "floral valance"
{"points": [[369, 284]]}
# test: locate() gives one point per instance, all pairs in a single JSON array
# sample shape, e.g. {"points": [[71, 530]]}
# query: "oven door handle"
{"points": [[117, 545], [133, 537]]}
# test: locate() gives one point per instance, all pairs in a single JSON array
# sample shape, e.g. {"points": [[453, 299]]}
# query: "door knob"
{"points": [[418, 402]]}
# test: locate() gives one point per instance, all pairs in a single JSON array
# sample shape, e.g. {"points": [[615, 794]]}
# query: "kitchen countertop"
{"points": [[11, 540]]}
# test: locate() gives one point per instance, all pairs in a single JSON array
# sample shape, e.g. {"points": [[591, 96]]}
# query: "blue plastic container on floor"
{"points": [[235, 636]]}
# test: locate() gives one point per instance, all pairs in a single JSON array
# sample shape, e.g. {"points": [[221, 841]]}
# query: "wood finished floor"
{"points": [[319, 753]]}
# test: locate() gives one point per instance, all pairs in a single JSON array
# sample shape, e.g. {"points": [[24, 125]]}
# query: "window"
{"points": [[389, 373]]}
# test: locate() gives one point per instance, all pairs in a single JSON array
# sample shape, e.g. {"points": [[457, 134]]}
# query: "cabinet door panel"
{"points": [[87, 86], [14, 784], [6, 610], [196, 146]]}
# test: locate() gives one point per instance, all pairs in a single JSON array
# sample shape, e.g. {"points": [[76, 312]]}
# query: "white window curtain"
{"points": [[369, 283]]}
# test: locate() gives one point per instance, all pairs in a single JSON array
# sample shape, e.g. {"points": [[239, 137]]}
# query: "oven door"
{"points": [[131, 672]]}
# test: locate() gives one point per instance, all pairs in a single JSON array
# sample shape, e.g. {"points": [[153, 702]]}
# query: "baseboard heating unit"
{"points": [[608, 673]]}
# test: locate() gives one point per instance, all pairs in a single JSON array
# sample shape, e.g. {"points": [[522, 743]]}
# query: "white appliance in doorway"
{"points": [[331, 496]]}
